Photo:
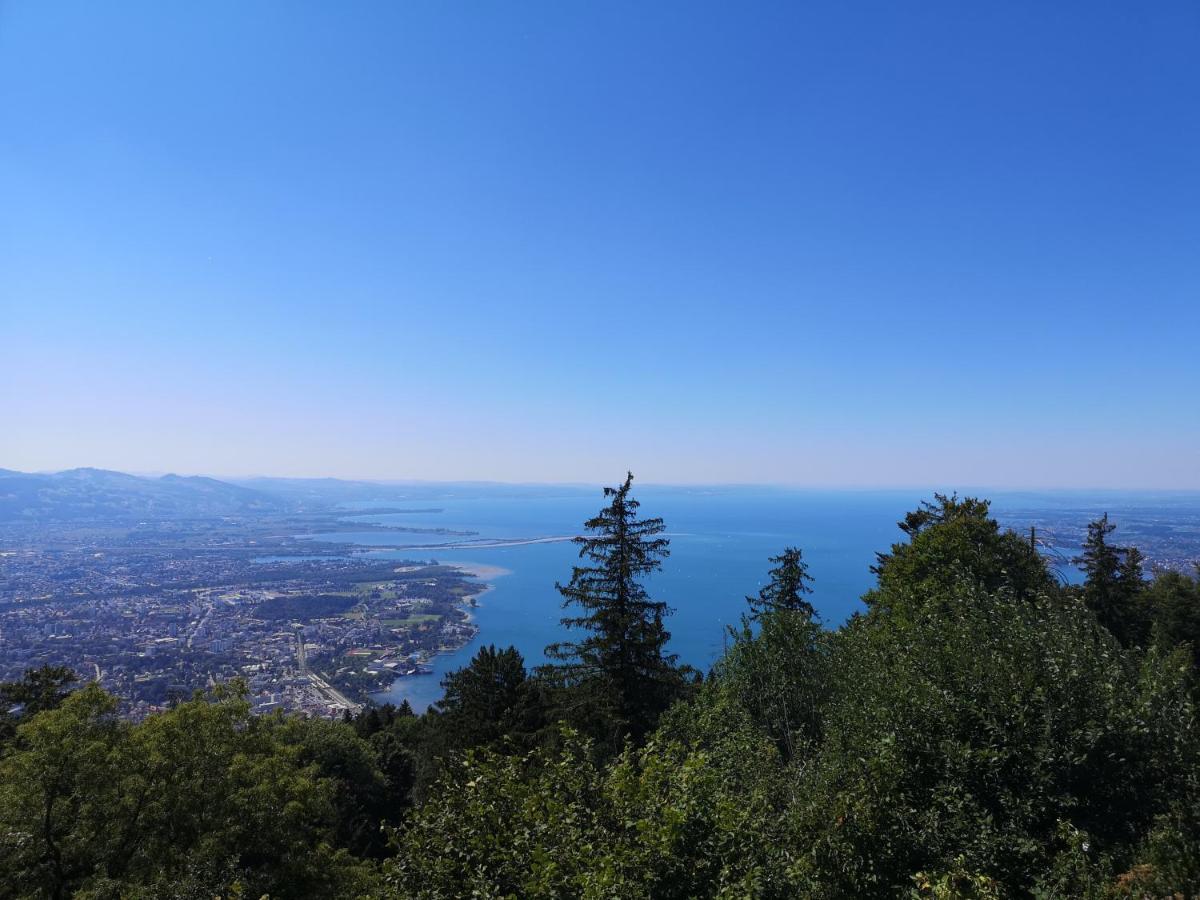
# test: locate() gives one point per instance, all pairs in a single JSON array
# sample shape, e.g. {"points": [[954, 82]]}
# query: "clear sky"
{"points": [[834, 243]]}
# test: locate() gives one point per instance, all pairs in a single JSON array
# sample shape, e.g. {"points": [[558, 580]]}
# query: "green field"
{"points": [[417, 619]]}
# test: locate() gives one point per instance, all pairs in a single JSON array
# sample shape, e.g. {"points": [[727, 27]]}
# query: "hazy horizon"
{"points": [[642, 484]]}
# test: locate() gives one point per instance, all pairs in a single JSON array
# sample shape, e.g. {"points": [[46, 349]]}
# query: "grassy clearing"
{"points": [[385, 589], [416, 619]]}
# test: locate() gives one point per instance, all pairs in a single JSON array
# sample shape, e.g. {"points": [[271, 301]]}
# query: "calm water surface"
{"points": [[720, 542]]}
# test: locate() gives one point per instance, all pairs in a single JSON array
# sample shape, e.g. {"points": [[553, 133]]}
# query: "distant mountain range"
{"points": [[101, 495], [78, 495]]}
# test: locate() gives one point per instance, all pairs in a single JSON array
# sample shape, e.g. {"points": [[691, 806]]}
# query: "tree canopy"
{"points": [[787, 587], [980, 731]]}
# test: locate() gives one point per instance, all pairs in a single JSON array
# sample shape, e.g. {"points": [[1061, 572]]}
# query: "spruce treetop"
{"points": [[789, 584], [622, 654]]}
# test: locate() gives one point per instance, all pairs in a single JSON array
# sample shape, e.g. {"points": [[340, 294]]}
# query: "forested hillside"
{"points": [[978, 730]]}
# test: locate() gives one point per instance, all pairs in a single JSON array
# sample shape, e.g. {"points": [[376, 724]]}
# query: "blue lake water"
{"points": [[721, 539], [720, 542]]}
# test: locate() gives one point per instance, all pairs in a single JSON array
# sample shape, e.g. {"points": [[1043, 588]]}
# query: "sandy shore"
{"points": [[477, 570]]}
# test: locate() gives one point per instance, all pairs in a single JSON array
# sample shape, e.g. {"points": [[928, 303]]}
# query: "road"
{"points": [[332, 695]]}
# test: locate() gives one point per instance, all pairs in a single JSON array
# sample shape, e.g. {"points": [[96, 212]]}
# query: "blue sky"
{"points": [[811, 243]]}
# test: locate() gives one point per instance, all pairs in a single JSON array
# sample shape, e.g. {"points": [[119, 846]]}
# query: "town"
{"points": [[309, 634]]}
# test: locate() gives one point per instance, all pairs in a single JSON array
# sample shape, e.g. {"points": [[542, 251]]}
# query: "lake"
{"points": [[720, 542], [721, 539]]}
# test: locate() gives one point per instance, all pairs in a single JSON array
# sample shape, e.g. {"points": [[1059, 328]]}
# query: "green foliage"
{"points": [[619, 678], [789, 583], [662, 821], [979, 733], [500, 825], [398, 758], [1173, 600], [956, 884], [779, 676], [949, 540], [1113, 588], [305, 608], [39, 689], [489, 699], [197, 800], [972, 729], [349, 766]]}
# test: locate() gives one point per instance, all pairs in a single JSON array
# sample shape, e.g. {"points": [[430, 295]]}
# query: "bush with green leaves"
{"points": [[663, 821], [964, 734], [950, 540], [200, 801], [777, 670]]}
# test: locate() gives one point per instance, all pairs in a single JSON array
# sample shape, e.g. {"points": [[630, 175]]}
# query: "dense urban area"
{"points": [[158, 609]]}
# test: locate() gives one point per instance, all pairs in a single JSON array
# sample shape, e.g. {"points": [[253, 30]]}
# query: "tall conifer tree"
{"points": [[786, 590], [619, 669], [1114, 585]]}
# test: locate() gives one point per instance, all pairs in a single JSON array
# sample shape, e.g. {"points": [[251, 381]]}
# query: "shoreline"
{"points": [[482, 571], [473, 570], [482, 544], [471, 607]]}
